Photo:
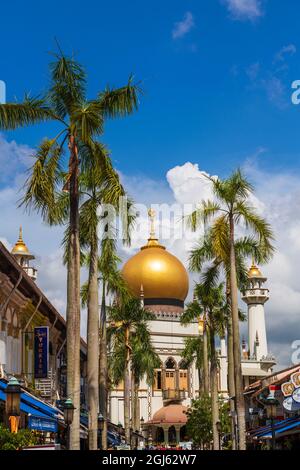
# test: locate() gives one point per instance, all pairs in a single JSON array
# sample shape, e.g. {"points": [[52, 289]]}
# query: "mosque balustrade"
{"points": [[249, 293], [173, 394], [32, 272]]}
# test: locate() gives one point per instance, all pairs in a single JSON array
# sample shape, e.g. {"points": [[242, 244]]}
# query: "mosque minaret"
{"points": [[23, 256], [255, 296]]}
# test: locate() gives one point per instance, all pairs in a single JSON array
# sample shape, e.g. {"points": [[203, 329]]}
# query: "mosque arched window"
{"points": [[158, 379], [157, 384], [170, 379], [170, 363]]}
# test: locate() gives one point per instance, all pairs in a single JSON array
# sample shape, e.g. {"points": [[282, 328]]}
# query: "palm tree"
{"points": [[197, 348], [212, 299], [128, 325], [81, 120], [215, 257], [230, 207], [112, 284], [100, 185], [144, 361]]}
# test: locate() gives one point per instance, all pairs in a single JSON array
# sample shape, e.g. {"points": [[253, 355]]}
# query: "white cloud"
{"points": [[244, 9], [286, 50], [181, 28], [14, 158]]}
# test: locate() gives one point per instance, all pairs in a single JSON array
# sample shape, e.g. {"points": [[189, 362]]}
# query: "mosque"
{"points": [[161, 282]]}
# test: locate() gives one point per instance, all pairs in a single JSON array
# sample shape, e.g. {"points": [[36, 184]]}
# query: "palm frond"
{"points": [[120, 102], [31, 111]]}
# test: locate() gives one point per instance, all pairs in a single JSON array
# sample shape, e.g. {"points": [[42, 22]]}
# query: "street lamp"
{"points": [[68, 408], [13, 396], [142, 422], [271, 404], [219, 429]]}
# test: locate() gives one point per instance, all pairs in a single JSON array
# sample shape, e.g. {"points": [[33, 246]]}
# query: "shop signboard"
{"points": [[291, 393], [296, 395], [42, 424], [295, 378], [41, 352], [291, 405]]}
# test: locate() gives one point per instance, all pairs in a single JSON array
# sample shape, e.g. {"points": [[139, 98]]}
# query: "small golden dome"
{"points": [[20, 247], [254, 271], [161, 274]]}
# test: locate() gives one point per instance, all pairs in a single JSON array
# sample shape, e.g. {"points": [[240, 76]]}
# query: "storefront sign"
{"points": [[291, 405], [42, 424], [287, 389], [296, 395], [41, 352], [295, 378]]}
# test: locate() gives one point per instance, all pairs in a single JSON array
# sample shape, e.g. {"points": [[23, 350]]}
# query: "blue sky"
{"points": [[216, 93], [217, 78]]}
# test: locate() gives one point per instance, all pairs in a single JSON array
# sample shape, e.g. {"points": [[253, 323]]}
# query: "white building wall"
{"points": [[257, 327]]}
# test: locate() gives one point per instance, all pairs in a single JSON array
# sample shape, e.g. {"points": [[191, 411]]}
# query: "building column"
{"points": [[166, 434], [177, 429], [177, 378], [163, 378]]}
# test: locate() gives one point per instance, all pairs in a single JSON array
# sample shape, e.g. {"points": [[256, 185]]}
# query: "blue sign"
{"points": [[41, 352], [42, 424]]}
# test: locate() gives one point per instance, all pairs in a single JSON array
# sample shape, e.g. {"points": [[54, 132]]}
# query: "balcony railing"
{"points": [[174, 394]]}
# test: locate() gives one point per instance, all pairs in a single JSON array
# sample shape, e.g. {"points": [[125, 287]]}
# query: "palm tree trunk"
{"points": [[132, 399], [205, 362], [135, 411], [103, 373], [73, 300], [231, 385], [240, 403], [214, 389], [93, 348], [230, 360], [127, 389], [136, 405]]}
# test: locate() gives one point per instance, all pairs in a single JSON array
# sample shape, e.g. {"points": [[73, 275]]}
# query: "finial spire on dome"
{"points": [[152, 215], [20, 234]]}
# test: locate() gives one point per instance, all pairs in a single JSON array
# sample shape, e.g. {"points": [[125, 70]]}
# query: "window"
{"points": [[157, 385], [170, 363]]}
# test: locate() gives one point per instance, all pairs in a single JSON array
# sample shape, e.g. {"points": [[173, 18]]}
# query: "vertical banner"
{"points": [[41, 352]]}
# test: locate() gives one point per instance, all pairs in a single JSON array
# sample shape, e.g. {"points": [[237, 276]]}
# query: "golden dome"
{"points": [[20, 247], [254, 271], [157, 273]]}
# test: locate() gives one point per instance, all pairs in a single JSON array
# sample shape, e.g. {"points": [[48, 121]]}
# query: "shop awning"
{"points": [[32, 405], [281, 427]]}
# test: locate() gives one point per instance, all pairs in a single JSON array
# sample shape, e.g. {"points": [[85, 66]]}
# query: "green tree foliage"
{"points": [[16, 441], [199, 424]]}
